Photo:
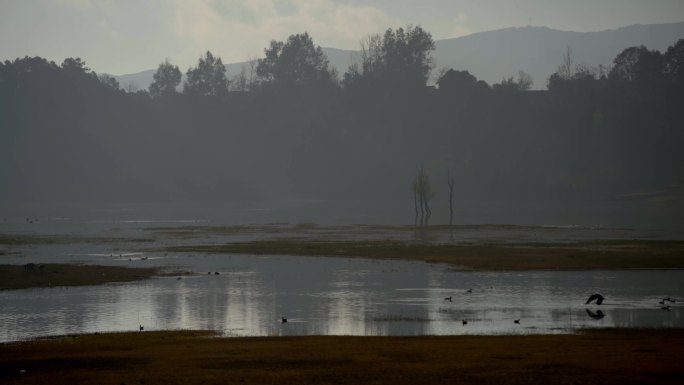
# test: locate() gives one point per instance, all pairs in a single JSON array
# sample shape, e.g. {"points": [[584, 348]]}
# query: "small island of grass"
{"points": [[576, 255], [48, 275]]}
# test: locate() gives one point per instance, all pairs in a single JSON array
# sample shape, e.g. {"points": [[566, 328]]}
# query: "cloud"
{"points": [[460, 27]]}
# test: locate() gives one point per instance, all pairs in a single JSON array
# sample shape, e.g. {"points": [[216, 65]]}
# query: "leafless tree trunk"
{"points": [[253, 61], [422, 191], [414, 187], [450, 181]]}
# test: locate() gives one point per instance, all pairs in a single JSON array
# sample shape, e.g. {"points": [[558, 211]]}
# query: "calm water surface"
{"points": [[340, 296]]}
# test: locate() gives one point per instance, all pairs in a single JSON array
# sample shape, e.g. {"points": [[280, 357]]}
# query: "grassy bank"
{"points": [[19, 277], [615, 356], [46, 239], [582, 255]]}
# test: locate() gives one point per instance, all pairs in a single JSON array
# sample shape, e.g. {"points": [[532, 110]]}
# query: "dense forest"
{"points": [[290, 127]]}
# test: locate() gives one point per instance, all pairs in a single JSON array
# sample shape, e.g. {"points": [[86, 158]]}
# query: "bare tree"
{"points": [[239, 82], [414, 188], [451, 182], [252, 63], [422, 193], [566, 69], [132, 87], [525, 81]]}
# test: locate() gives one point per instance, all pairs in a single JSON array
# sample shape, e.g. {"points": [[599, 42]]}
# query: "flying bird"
{"points": [[597, 297], [448, 299], [517, 321]]}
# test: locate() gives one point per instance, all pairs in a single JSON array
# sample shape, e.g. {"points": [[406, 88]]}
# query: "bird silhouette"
{"points": [[465, 322], [448, 299], [517, 321], [469, 291], [597, 297], [666, 307], [283, 320]]}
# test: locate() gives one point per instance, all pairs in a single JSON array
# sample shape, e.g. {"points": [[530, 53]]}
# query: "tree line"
{"points": [[290, 126]]}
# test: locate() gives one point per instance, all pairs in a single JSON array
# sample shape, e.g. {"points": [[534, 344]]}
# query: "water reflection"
{"points": [[338, 296]]}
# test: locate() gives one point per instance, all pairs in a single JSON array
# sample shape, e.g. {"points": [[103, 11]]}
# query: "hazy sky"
{"points": [[126, 36]]}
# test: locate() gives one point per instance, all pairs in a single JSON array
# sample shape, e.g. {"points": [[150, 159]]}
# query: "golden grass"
{"points": [[17, 277], [584, 255], [615, 356]]}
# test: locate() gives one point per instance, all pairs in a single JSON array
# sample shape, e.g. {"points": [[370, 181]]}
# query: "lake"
{"points": [[317, 295]]}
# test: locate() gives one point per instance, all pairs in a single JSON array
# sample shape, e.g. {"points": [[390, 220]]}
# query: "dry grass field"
{"points": [[615, 356]]}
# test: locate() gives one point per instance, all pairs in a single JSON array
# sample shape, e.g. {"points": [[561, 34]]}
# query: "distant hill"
{"points": [[494, 55]]}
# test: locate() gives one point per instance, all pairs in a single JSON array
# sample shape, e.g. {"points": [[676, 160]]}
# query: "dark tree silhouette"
{"points": [[400, 58], [165, 80], [637, 64], [75, 66], [67, 135], [454, 82], [674, 62], [296, 62], [109, 81], [208, 78]]}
